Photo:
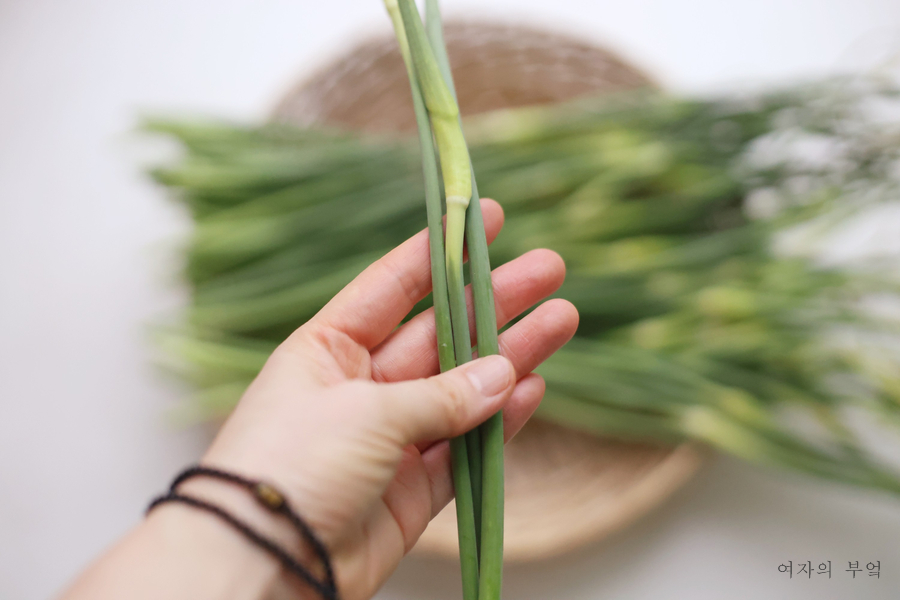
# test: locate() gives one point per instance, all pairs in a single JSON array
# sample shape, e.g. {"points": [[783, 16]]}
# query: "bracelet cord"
{"points": [[273, 501]]}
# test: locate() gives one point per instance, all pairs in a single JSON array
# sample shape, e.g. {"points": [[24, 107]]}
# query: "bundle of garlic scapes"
{"points": [[477, 457]]}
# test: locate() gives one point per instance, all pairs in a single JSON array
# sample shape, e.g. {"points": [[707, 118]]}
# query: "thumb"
{"points": [[448, 404]]}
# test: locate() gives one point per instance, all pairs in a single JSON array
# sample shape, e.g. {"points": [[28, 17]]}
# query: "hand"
{"points": [[342, 420], [350, 418]]}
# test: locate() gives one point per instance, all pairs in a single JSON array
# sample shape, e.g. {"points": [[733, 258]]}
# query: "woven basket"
{"points": [[563, 488]]}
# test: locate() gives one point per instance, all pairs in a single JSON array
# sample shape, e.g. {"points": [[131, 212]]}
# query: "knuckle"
{"points": [[356, 399], [379, 413], [408, 284], [453, 404], [383, 411]]}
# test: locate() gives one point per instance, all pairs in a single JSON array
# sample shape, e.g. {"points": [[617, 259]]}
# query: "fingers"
{"points": [[423, 484], [411, 351], [521, 405], [374, 303], [448, 404], [532, 340], [539, 334], [517, 410]]}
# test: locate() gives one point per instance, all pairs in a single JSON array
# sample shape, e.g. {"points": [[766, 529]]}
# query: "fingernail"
{"points": [[490, 375]]}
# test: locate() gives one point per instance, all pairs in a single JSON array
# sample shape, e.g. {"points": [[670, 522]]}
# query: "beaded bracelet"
{"points": [[273, 501]]}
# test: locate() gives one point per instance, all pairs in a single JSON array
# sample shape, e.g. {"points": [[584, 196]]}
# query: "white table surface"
{"points": [[84, 442]]}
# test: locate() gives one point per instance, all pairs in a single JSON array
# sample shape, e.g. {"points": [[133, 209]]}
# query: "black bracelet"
{"points": [[273, 501]]}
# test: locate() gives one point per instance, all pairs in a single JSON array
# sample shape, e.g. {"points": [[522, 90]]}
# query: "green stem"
{"points": [[465, 506], [492, 503], [456, 220], [442, 108], [457, 175], [435, 32]]}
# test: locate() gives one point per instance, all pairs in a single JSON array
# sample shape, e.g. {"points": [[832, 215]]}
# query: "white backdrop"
{"points": [[83, 438]]}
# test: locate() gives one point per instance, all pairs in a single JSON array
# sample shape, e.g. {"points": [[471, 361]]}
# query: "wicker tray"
{"points": [[563, 488]]}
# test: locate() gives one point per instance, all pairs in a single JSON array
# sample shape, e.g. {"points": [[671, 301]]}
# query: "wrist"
{"points": [[182, 553], [233, 562], [205, 553], [242, 504]]}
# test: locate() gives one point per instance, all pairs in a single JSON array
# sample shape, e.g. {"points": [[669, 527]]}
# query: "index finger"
{"points": [[374, 303]]}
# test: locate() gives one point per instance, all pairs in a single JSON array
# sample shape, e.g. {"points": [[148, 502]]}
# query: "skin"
{"points": [[349, 419]]}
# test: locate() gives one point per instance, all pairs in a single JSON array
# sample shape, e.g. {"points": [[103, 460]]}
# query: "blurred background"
{"points": [[87, 259]]}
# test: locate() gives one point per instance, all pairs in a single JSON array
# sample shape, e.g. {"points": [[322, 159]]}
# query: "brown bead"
{"points": [[269, 496]]}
